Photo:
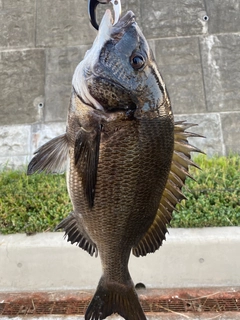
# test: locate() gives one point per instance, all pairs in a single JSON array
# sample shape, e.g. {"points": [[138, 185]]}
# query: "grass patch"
{"points": [[214, 198], [32, 203], [38, 203]]}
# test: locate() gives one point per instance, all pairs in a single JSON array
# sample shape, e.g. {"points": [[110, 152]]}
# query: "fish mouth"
{"points": [[119, 27], [125, 21]]}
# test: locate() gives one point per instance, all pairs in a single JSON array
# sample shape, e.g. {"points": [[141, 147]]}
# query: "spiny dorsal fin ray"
{"points": [[180, 171], [51, 157], [184, 160], [184, 135], [172, 193], [185, 147], [182, 125], [175, 190], [76, 233]]}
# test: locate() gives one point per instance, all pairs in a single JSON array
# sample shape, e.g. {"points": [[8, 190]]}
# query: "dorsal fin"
{"points": [[172, 194]]}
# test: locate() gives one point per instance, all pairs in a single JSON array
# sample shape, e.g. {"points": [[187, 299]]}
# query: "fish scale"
{"points": [[139, 198]]}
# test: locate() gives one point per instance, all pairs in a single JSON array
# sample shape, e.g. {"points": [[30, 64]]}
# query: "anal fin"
{"points": [[76, 233]]}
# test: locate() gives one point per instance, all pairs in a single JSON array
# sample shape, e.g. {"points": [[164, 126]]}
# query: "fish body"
{"points": [[126, 160]]}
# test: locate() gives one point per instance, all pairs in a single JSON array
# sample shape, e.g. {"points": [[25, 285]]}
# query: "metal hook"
{"points": [[92, 5]]}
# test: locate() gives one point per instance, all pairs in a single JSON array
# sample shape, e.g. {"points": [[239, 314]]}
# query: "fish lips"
{"points": [[120, 26], [123, 23]]}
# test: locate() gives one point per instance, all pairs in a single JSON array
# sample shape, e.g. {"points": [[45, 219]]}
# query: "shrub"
{"points": [[214, 198], [32, 203], [39, 202]]}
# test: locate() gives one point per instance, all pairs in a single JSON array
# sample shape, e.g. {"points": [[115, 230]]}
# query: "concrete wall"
{"points": [[42, 41]]}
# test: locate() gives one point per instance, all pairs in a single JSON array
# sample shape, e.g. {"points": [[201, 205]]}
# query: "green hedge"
{"points": [[214, 200], [32, 203], [39, 202]]}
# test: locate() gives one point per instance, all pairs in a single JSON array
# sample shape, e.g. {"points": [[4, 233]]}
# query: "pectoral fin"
{"points": [[86, 154], [51, 157], [172, 194]]}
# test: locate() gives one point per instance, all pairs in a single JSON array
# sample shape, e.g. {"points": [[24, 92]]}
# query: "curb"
{"points": [[207, 257]]}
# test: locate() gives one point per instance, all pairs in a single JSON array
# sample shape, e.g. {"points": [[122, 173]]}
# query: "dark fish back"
{"points": [[133, 167]]}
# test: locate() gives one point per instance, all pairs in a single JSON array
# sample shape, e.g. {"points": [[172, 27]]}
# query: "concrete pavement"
{"points": [[189, 258]]}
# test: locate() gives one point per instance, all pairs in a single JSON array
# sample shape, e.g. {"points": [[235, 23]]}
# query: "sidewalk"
{"points": [[46, 265], [205, 257]]}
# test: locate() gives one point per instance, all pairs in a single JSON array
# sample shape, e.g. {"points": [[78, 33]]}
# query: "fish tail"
{"points": [[112, 297]]}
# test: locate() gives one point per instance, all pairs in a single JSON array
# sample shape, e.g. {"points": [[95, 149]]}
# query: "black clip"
{"points": [[92, 5]]}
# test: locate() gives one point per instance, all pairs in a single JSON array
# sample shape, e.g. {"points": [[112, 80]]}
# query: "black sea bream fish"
{"points": [[126, 160]]}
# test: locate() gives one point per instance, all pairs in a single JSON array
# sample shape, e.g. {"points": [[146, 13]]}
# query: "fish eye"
{"points": [[137, 61]]}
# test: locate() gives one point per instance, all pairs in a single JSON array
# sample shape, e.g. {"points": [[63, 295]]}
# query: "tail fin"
{"points": [[112, 298]]}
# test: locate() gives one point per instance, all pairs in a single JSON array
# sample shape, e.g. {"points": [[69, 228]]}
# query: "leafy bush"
{"points": [[39, 202], [214, 198], [32, 203]]}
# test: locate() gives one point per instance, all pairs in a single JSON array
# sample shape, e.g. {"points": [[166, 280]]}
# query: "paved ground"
{"points": [[172, 304], [189, 258], [197, 258], [210, 316]]}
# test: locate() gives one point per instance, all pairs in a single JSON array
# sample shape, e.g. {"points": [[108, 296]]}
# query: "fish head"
{"points": [[120, 72]]}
